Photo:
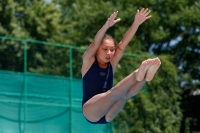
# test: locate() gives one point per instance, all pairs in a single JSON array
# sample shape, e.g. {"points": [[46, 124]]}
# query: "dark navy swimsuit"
{"points": [[93, 84]]}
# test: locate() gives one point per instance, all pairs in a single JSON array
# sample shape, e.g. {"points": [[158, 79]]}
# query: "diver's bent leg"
{"points": [[117, 106], [115, 109], [99, 105], [135, 88]]}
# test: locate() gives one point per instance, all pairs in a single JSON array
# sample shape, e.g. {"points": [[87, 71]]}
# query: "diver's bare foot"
{"points": [[145, 65], [153, 69]]}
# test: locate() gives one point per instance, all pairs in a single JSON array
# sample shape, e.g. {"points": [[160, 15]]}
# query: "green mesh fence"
{"points": [[41, 88], [45, 108]]}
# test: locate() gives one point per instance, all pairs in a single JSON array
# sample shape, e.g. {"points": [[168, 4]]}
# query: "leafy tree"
{"points": [[33, 20], [156, 107], [178, 35], [10, 26]]}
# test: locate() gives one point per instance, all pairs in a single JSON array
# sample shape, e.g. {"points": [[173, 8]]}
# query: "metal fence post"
{"points": [[70, 89], [25, 84]]}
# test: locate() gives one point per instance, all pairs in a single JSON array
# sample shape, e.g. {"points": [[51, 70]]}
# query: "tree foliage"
{"points": [[157, 107]]}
